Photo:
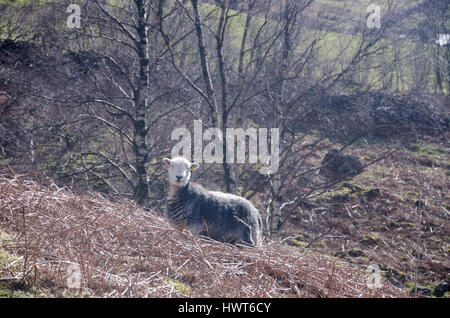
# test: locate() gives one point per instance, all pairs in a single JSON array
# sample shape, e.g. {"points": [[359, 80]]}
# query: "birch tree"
{"points": [[119, 94]]}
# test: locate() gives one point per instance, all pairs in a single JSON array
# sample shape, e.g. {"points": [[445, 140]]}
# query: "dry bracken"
{"points": [[124, 251]]}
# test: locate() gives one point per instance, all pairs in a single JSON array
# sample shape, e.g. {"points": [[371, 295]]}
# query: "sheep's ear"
{"points": [[194, 166], [167, 162]]}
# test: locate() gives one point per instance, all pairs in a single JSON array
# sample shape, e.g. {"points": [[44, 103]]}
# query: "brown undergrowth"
{"points": [[394, 214], [121, 250]]}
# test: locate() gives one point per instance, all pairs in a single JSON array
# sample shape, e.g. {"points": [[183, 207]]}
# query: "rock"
{"points": [[395, 275], [337, 165], [441, 289], [426, 161], [422, 291], [373, 193], [395, 282], [340, 254], [355, 253]]}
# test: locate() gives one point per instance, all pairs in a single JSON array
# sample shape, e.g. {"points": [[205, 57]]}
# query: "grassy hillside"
{"points": [[341, 23], [345, 14], [18, 3]]}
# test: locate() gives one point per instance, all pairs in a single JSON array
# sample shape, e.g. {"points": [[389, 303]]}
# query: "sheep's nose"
{"points": [[179, 178]]}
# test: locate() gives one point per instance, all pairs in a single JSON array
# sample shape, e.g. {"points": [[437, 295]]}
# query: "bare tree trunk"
{"points": [[288, 15], [141, 191], [230, 179], [214, 112]]}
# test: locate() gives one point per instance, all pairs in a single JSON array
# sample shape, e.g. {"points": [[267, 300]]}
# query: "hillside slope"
{"points": [[120, 250], [394, 214]]}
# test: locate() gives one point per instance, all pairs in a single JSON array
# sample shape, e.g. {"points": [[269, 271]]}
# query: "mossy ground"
{"points": [[14, 285], [183, 288], [17, 290]]}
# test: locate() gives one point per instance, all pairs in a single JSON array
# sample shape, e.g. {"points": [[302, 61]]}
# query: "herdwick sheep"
{"points": [[221, 216]]}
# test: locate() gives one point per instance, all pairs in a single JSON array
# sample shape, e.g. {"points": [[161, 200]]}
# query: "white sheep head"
{"points": [[179, 170]]}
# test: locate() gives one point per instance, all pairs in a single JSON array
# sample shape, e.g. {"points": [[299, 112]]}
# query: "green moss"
{"points": [[393, 225], [402, 224], [409, 286], [352, 188], [404, 259], [5, 292], [408, 225], [346, 192], [297, 243], [178, 285], [430, 150], [370, 239], [300, 240], [302, 237]]}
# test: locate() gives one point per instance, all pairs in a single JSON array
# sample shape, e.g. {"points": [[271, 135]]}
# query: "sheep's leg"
{"points": [[196, 229], [247, 237]]}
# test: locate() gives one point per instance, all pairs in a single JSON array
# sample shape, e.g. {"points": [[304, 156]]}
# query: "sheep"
{"points": [[221, 216]]}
